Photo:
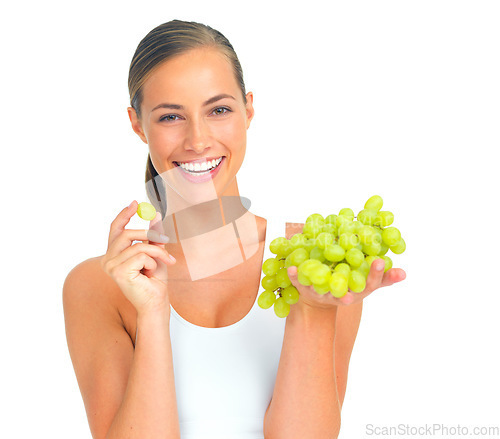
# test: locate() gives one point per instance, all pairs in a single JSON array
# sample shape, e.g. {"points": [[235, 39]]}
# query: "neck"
{"points": [[194, 217]]}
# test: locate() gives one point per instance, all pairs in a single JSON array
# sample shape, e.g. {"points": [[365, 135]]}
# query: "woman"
{"points": [[164, 347]]}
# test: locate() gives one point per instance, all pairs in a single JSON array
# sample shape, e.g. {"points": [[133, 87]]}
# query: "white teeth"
{"points": [[200, 168]]}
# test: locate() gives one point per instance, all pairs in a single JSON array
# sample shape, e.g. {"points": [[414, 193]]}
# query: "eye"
{"points": [[219, 111], [168, 118]]}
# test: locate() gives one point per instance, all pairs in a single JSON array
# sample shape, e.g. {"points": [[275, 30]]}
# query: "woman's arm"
{"points": [[348, 319], [341, 326], [305, 402], [127, 393]]}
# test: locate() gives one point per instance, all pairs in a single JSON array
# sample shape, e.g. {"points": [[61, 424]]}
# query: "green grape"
{"points": [[348, 240], [354, 257], [347, 227], [366, 234], [298, 240], [343, 268], [307, 266], [321, 289], [269, 283], [367, 217], [317, 253], [312, 229], [315, 218], [281, 308], [324, 239], [378, 235], [290, 294], [374, 203], [331, 219], [320, 274], [347, 212], [298, 256], [372, 249], [334, 253], [391, 235], [383, 249], [303, 279], [310, 244], [266, 299], [338, 284], [341, 219], [357, 282], [270, 266], [276, 244], [384, 218], [399, 247], [286, 249], [282, 279], [388, 263], [364, 268], [146, 211], [329, 228], [357, 226]]}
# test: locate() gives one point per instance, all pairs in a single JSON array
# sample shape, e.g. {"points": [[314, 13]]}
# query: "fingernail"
{"points": [[156, 236], [130, 205], [380, 266], [172, 258]]}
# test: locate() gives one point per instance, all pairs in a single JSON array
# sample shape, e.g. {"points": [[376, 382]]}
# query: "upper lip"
{"points": [[202, 160]]}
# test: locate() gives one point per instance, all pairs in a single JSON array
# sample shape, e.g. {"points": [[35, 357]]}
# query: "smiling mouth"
{"points": [[199, 168]]}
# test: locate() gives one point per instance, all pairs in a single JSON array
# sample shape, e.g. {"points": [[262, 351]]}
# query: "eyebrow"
{"points": [[207, 102]]}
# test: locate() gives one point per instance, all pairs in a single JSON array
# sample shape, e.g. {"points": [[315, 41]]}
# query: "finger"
{"points": [[150, 250], [292, 272], [375, 276], [121, 220], [156, 223], [347, 299], [392, 276], [156, 231], [127, 237], [133, 266]]}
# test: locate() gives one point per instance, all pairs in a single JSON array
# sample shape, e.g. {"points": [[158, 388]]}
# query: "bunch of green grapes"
{"points": [[333, 254]]}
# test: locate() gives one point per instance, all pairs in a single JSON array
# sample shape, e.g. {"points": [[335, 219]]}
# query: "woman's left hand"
{"points": [[376, 279]]}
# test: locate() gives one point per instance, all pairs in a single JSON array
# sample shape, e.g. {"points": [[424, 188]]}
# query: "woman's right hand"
{"points": [[140, 269]]}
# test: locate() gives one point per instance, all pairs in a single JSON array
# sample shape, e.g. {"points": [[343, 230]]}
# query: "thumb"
{"points": [[292, 272]]}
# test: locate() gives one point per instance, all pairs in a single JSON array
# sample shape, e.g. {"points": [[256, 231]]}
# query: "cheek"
{"points": [[234, 135], [162, 142]]}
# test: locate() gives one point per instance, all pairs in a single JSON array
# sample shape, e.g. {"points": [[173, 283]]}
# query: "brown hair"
{"points": [[161, 44]]}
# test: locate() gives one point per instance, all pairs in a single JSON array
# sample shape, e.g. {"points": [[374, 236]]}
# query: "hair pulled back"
{"points": [[161, 44]]}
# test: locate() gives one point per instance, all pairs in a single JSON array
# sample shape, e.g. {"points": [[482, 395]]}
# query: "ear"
{"points": [[249, 108], [136, 124]]}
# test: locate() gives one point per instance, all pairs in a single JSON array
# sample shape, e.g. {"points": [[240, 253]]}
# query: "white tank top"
{"points": [[224, 377]]}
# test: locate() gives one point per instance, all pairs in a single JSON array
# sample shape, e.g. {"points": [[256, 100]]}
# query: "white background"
{"points": [[352, 99]]}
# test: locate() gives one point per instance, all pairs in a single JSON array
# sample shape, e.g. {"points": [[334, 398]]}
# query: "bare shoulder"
{"points": [[292, 229], [88, 285], [90, 296]]}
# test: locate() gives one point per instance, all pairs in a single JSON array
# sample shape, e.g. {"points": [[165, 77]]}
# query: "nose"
{"points": [[198, 136]]}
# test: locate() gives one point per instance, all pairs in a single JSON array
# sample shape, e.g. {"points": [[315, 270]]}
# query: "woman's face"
{"points": [[193, 113]]}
